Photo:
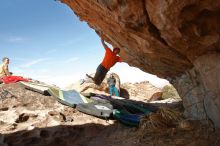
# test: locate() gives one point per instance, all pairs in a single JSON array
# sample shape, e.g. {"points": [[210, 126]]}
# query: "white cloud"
{"points": [[73, 59], [33, 62], [63, 79], [133, 74], [30, 72], [73, 41], [51, 51], [60, 80], [16, 39], [125, 72], [17, 71], [19, 59]]}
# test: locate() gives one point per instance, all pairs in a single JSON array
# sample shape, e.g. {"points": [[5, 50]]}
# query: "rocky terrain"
{"points": [[143, 91], [178, 40], [28, 118], [174, 39]]}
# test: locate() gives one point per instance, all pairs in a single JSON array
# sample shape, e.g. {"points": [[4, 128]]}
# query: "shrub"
{"points": [[169, 92]]}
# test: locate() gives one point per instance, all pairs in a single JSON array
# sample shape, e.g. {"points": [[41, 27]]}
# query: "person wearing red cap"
{"points": [[110, 59]]}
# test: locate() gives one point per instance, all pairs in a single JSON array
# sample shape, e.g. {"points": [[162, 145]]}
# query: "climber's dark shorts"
{"points": [[100, 74]]}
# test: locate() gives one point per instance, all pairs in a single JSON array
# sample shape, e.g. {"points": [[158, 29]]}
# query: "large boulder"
{"points": [[142, 91], [174, 39]]}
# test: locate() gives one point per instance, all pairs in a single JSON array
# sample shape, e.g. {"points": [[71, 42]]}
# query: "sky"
{"points": [[46, 41]]}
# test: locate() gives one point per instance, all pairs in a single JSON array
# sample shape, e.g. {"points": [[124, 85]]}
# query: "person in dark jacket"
{"points": [[111, 83]]}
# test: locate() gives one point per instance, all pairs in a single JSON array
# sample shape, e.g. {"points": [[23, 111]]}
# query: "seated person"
{"points": [[4, 68], [6, 76]]}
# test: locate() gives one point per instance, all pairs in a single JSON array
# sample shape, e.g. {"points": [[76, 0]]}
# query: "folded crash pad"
{"points": [[99, 108], [37, 87], [70, 98], [129, 113], [127, 118]]}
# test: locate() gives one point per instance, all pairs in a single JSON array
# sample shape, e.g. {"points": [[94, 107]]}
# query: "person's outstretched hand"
{"points": [[101, 36], [103, 41]]}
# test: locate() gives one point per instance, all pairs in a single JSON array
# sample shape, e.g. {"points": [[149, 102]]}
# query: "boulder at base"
{"points": [[87, 85]]}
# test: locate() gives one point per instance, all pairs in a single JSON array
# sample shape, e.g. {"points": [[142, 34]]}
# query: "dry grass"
{"points": [[163, 118], [167, 127]]}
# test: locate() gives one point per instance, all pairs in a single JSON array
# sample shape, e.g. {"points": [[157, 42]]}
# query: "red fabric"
{"points": [[13, 79], [110, 59]]}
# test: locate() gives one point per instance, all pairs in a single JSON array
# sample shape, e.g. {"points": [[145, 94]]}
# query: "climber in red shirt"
{"points": [[110, 59]]}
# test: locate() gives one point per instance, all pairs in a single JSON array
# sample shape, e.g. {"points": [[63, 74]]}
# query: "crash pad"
{"points": [[70, 98], [129, 113], [127, 118], [37, 87], [99, 108], [122, 103]]}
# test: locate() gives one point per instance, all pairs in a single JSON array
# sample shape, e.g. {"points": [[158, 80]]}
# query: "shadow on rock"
{"points": [[77, 135], [124, 93]]}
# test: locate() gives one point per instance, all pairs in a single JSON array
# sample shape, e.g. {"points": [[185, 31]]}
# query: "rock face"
{"points": [[177, 40], [199, 88]]}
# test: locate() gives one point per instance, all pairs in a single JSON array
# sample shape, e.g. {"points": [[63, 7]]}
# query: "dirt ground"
{"points": [[31, 119]]}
